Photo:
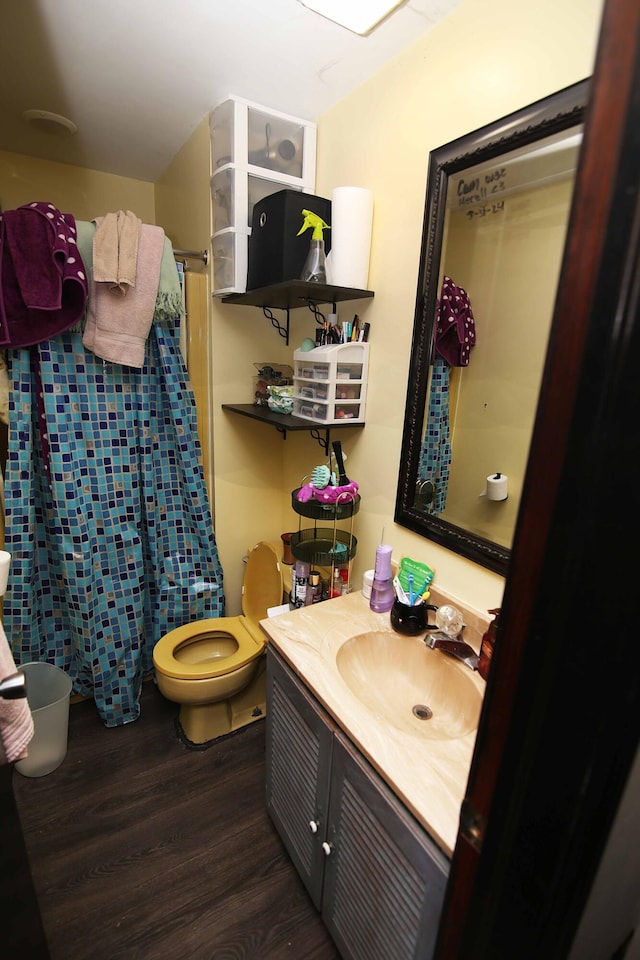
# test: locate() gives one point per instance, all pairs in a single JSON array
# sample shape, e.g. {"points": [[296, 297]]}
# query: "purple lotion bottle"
{"points": [[382, 592]]}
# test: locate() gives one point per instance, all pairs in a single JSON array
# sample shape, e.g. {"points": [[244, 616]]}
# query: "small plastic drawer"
{"points": [[347, 391], [304, 372], [347, 411], [321, 391], [229, 262], [310, 390], [311, 410], [321, 371], [349, 371], [275, 142], [222, 126], [304, 390], [222, 199]]}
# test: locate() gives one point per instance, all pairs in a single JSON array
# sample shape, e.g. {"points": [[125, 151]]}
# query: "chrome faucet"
{"points": [[456, 648]]}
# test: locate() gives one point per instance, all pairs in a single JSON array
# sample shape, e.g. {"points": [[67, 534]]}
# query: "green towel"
{"points": [[169, 299]]}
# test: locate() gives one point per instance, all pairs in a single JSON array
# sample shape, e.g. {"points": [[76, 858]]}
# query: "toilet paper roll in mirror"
{"points": [[497, 486]]}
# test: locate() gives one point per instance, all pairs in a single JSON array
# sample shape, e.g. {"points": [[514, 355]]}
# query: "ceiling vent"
{"points": [[49, 122]]}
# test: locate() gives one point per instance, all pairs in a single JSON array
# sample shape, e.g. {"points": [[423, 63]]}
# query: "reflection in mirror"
{"points": [[498, 204]]}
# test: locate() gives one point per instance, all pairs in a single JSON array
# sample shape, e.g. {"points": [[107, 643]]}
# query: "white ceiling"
{"points": [[138, 76]]}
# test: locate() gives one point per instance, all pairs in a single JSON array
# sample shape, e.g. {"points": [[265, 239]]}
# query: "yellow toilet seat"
{"points": [[261, 589], [166, 652]]}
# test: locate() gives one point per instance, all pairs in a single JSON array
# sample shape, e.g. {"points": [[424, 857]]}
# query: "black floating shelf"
{"points": [[284, 421], [296, 293]]}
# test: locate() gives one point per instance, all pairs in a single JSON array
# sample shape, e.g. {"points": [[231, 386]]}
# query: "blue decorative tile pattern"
{"points": [[118, 547], [435, 455]]}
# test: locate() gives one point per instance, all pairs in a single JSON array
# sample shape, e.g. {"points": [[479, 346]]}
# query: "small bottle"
{"points": [[314, 590], [336, 585], [344, 576], [382, 592], [487, 645], [301, 571]]}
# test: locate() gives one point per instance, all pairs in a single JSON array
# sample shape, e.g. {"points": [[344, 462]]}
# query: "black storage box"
{"points": [[276, 253]]}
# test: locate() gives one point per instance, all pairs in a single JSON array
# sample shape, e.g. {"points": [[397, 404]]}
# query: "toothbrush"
{"points": [[423, 587], [410, 578]]}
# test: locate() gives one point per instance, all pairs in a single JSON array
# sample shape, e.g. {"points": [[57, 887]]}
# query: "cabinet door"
{"points": [[384, 878], [299, 739]]}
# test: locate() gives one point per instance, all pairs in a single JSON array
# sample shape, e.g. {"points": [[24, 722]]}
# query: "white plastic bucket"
{"points": [[48, 693]]}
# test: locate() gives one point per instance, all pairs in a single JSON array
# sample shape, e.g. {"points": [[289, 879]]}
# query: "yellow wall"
{"points": [[185, 217], [486, 59], [508, 262], [84, 193]]}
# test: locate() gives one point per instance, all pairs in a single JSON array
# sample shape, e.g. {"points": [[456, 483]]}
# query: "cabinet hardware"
{"points": [[313, 826], [326, 848]]}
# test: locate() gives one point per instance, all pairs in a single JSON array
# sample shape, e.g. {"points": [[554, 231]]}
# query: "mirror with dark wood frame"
{"points": [[496, 214]]}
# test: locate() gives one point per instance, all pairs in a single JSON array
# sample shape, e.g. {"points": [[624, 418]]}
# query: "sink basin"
{"points": [[415, 689]]}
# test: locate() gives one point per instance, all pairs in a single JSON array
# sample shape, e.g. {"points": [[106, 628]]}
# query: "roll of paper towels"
{"points": [[351, 223], [497, 486]]}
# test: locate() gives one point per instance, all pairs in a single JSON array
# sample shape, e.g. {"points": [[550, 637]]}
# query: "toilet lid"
{"points": [[262, 585]]}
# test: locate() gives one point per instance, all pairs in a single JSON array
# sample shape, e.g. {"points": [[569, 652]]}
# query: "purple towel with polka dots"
{"points": [[455, 325], [43, 282]]}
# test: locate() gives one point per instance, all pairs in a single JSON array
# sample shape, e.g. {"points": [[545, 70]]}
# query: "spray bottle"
{"points": [[314, 268]]}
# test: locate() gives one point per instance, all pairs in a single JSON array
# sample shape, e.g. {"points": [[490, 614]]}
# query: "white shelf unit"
{"points": [[330, 383], [255, 151]]}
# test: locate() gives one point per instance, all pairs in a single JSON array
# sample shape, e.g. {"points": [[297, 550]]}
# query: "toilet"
{"points": [[215, 669]]}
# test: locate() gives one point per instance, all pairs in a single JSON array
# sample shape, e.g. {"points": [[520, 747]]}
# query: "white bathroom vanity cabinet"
{"points": [[370, 868]]}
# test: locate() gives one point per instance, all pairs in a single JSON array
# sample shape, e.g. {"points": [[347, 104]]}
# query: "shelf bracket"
{"points": [[322, 440], [318, 315], [283, 331], [316, 435]]}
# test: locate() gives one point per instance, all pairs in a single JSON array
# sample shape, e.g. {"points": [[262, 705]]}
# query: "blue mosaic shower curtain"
{"points": [[435, 453], [108, 521]]}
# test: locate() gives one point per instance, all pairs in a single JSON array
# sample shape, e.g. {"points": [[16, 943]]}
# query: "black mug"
{"points": [[411, 619]]}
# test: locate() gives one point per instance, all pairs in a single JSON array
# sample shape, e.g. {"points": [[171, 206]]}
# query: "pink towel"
{"points": [[117, 327], [16, 722], [115, 250]]}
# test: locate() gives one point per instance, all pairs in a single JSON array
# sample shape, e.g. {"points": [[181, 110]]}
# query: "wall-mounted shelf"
{"points": [[292, 294], [284, 422]]}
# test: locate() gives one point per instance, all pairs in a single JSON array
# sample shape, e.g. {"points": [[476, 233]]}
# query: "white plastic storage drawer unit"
{"points": [[330, 383], [255, 152]]}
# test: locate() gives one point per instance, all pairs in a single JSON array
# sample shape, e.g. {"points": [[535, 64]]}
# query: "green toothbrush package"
{"points": [[422, 575]]}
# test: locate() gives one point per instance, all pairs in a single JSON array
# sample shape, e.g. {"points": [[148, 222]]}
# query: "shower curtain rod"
{"points": [[193, 255]]}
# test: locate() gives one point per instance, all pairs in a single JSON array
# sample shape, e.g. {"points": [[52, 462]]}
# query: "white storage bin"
{"points": [[331, 383], [255, 152], [229, 261], [223, 198]]}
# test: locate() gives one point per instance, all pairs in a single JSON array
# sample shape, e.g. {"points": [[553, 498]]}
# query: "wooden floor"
{"points": [[142, 849]]}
